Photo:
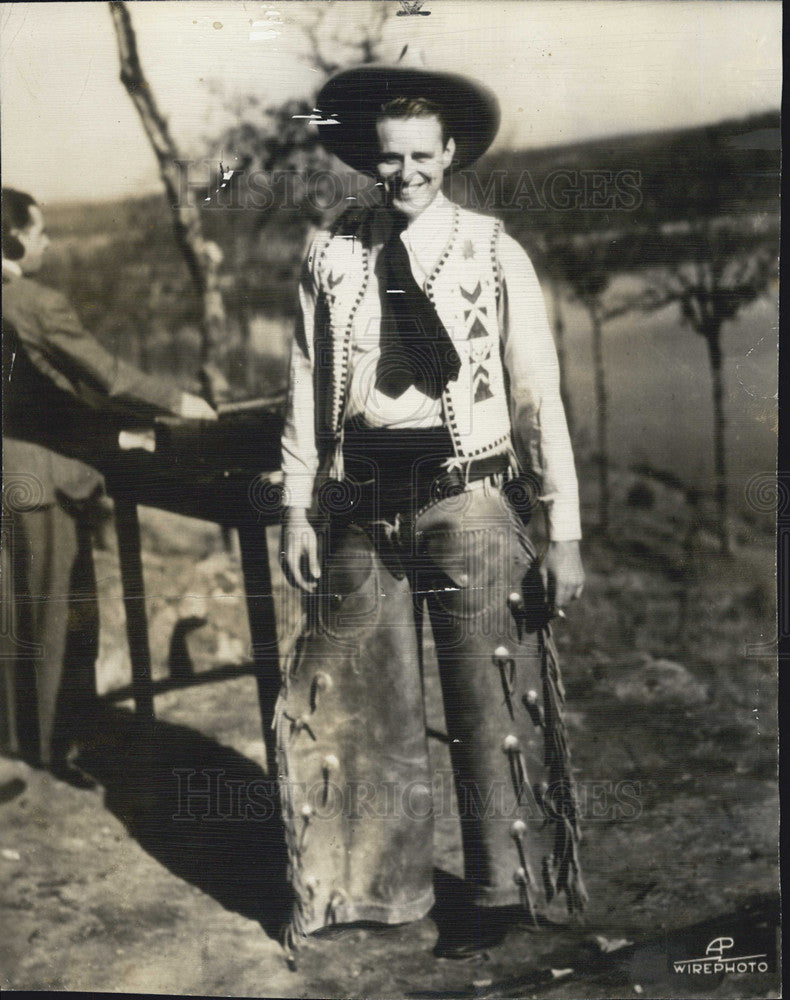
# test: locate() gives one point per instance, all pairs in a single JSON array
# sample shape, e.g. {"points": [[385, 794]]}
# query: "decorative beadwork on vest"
{"points": [[343, 256], [465, 289]]}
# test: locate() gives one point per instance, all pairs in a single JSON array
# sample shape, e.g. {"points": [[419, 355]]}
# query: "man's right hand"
{"points": [[299, 550], [195, 408]]}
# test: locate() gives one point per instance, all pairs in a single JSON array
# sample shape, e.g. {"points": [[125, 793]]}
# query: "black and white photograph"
{"points": [[390, 500]]}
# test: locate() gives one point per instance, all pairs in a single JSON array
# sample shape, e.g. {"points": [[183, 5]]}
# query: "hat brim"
{"points": [[353, 99]]}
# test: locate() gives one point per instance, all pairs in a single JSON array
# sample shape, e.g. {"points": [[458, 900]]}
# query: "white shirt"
{"points": [[529, 357]]}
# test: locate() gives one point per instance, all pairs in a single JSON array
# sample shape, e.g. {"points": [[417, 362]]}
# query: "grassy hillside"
{"points": [[727, 168]]}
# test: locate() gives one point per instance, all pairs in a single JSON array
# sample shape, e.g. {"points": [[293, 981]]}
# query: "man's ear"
{"points": [[449, 153]]}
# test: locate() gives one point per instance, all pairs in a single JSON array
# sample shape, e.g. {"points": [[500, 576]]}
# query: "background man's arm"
{"points": [[540, 431], [97, 375]]}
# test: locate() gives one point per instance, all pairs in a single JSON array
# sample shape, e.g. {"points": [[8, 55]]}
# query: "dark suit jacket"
{"points": [[64, 396]]}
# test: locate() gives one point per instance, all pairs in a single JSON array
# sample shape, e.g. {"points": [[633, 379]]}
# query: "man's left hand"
{"points": [[562, 573]]}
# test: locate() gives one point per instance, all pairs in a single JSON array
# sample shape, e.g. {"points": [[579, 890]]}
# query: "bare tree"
{"points": [[284, 178], [336, 41], [202, 256], [278, 138], [586, 272], [720, 269], [562, 355]]}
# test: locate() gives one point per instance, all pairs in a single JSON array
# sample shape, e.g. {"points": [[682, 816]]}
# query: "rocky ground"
{"points": [[670, 678]]}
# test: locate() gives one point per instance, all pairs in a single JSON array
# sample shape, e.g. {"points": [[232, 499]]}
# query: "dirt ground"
{"points": [[670, 677]]}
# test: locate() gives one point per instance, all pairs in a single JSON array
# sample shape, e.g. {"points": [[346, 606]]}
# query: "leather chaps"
{"points": [[351, 741]]}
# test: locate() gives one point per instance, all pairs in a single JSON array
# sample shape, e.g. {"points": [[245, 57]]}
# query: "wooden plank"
{"points": [[127, 526], [263, 626]]}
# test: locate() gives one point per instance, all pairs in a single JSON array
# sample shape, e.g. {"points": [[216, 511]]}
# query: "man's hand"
{"points": [[562, 573], [299, 550], [195, 408]]}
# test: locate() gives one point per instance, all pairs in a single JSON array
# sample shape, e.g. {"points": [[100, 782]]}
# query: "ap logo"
{"points": [[719, 945]]}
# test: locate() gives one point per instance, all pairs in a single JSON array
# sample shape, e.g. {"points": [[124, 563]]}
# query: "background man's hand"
{"points": [[562, 573], [299, 550], [195, 408]]}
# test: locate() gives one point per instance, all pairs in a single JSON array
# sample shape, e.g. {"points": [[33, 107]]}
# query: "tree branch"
{"points": [[311, 29], [648, 301], [202, 257]]}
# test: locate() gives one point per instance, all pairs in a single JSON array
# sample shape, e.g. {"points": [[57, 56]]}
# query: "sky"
{"points": [[563, 71]]}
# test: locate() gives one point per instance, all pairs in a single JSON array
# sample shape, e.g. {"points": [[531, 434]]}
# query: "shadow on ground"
{"points": [[204, 811]]}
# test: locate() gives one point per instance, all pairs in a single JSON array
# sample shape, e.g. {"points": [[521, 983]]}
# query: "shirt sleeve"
{"points": [[540, 430], [93, 372], [299, 452]]}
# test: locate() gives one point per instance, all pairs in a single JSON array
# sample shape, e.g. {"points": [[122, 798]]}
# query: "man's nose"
{"points": [[410, 167]]}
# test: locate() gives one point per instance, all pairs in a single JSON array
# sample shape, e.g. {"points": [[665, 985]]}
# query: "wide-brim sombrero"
{"points": [[353, 99]]}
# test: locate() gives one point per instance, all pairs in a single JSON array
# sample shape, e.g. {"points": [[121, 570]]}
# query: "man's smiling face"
{"points": [[411, 161]]}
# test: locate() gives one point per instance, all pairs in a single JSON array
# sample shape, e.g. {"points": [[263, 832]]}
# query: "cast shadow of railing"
{"points": [[204, 811]]}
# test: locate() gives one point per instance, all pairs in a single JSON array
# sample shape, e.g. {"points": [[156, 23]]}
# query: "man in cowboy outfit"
{"points": [[424, 404]]}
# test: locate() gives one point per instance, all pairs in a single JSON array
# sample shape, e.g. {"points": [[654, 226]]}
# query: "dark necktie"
{"points": [[416, 349]]}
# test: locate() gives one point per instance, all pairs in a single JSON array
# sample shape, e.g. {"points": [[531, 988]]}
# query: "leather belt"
{"points": [[478, 468], [405, 488]]}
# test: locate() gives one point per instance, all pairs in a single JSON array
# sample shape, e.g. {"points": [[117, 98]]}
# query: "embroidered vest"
{"points": [[465, 290]]}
